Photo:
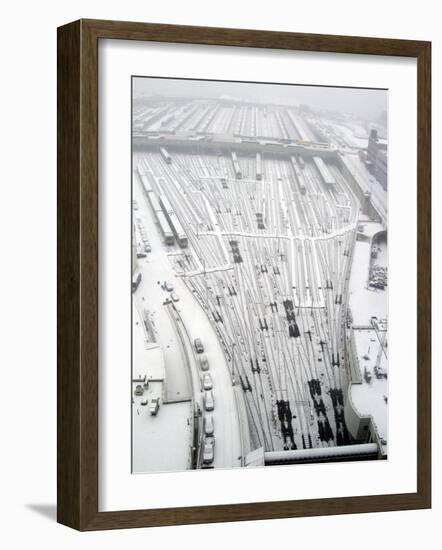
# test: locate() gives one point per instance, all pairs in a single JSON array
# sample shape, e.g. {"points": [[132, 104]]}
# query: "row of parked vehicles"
{"points": [[208, 451], [378, 277], [173, 296]]}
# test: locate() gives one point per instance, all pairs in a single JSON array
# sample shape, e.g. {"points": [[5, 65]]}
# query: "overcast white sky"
{"points": [[366, 103]]}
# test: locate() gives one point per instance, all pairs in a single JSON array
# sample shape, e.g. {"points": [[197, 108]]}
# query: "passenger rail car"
{"points": [[282, 127], [325, 173], [174, 222], [165, 229], [236, 167], [154, 203], [298, 176], [147, 187], [145, 178], [164, 226]]}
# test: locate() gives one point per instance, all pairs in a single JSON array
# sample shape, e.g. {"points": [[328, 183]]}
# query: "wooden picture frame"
{"points": [[77, 226]]}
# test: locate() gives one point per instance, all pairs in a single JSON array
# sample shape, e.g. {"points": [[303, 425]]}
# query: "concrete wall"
{"points": [[365, 200]]}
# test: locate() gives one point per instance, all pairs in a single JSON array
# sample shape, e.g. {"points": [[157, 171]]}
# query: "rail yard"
{"points": [[252, 222]]}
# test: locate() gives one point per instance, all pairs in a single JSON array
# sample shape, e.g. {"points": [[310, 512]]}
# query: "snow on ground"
{"points": [[227, 447], [147, 357], [151, 448], [161, 442], [354, 138], [382, 257], [365, 303], [171, 429], [368, 397], [155, 269]]}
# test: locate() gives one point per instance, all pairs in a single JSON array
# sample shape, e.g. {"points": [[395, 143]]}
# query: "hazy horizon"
{"points": [[363, 102]]}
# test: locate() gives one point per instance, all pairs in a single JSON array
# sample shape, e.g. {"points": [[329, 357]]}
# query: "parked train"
{"points": [[163, 224], [236, 167], [299, 176], [165, 228], [168, 223], [325, 173], [174, 222]]}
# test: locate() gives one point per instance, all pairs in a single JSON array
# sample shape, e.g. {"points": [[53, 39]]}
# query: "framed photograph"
{"points": [[243, 274]]}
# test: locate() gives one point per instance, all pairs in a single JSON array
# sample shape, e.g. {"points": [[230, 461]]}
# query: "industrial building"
{"points": [[377, 158]]}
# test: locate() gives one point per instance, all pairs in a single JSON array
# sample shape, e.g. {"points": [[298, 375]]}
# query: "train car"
{"points": [[147, 187], [236, 167], [178, 231], [298, 176], [165, 204], [174, 222], [141, 169], [300, 162], [154, 203], [325, 173], [298, 128], [282, 127], [163, 223], [160, 185], [165, 229], [258, 167], [165, 155]]}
